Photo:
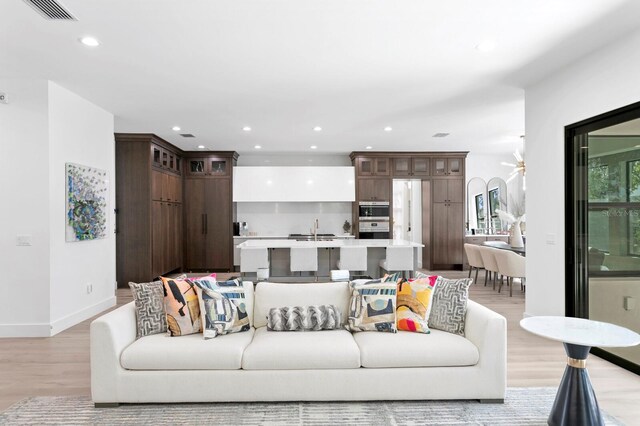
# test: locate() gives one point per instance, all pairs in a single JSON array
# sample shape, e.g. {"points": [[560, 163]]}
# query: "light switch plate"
{"points": [[551, 239], [629, 303], [23, 240]]}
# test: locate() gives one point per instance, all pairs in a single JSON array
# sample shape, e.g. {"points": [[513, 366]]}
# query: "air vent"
{"points": [[187, 135], [51, 9], [441, 135]]}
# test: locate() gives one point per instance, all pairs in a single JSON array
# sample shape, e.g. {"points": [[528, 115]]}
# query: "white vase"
{"points": [[515, 236]]}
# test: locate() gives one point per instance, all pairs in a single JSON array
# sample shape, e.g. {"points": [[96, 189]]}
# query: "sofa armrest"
{"points": [[487, 330], [109, 336]]}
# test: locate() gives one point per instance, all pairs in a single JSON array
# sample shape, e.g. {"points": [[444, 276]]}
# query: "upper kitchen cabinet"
{"points": [[373, 166], [212, 166], [411, 166], [374, 189], [165, 158], [448, 166]]}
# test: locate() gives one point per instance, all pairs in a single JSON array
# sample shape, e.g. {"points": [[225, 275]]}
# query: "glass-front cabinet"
{"points": [[165, 159], [208, 166], [448, 167]]}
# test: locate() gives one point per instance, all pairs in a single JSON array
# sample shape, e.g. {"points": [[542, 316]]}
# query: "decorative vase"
{"points": [[515, 236]]}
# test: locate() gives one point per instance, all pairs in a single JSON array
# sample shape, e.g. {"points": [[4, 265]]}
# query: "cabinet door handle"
{"points": [[206, 223], [202, 223]]}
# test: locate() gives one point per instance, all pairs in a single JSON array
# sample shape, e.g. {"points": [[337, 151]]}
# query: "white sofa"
{"points": [[262, 365]]}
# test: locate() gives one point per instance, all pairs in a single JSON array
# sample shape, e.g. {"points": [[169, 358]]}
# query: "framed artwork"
{"points": [[494, 201], [480, 213], [87, 194]]}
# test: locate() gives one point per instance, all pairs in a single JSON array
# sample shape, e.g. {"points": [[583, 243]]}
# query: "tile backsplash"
{"points": [[267, 219]]}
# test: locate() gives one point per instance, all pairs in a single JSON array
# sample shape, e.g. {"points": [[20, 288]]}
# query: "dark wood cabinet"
{"points": [[448, 167], [448, 190], [166, 235], [407, 166], [165, 158], [448, 222], [374, 166], [208, 224], [374, 189], [211, 166]]}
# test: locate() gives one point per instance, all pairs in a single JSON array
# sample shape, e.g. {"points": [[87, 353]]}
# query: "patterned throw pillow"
{"points": [[223, 306], [304, 318], [449, 305], [414, 304], [372, 307], [182, 306], [150, 314]]}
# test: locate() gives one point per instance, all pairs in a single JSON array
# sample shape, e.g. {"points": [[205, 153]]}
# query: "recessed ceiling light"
{"points": [[317, 129], [440, 135], [388, 129], [257, 147], [246, 128], [368, 147], [175, 128], [90, 41], [201, 146], [313, 147], [486, 46]]}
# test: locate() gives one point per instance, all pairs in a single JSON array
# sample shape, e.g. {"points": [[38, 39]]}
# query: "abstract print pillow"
{"points": [[149, 303], [449, 305], [304, 318], [223, 305], [414, 304], [182, 306], [372, 307]]}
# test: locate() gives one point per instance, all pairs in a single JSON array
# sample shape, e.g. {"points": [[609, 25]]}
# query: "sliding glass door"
{"points": [[603, 224]]}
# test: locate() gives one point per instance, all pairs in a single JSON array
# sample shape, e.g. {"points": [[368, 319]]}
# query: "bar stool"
{"points": [[512, 266], [353, 258], [399, 259], [490, 264], [304, 259], [253, 258], [474, 258]]}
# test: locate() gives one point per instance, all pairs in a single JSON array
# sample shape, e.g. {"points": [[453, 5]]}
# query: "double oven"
{"points": [[373, 220]]}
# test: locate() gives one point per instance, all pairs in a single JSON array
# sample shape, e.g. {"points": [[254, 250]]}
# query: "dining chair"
{"points": [[490, 265], [512, 266], [474, 258]]}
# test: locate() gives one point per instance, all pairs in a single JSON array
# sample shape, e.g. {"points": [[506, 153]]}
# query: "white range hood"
{"points": [[294, 184]]}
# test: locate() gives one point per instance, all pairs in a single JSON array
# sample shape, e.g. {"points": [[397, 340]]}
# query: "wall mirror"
{"points": [[477, 212], [497, 200]]}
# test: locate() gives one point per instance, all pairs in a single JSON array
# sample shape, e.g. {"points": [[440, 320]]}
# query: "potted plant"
{"points": [[346, 227]]}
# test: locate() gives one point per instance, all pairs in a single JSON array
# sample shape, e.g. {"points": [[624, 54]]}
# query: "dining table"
{"points": [[505, 246]]}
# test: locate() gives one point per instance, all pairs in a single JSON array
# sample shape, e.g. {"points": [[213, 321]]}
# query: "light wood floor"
{"points": [[60, 365]]}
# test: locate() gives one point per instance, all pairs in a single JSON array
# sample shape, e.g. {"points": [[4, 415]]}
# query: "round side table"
{"points": [[576, 402]]}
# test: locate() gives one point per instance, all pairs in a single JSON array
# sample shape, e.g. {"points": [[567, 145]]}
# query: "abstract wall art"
{"points": [[87, 194]]}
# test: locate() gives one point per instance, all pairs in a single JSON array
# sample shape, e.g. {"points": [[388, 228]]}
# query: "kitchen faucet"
{"points": [[316, 225]]}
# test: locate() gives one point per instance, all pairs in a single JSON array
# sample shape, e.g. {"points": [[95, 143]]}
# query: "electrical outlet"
{"points": [[23, 240], [89, 288], [629, 303], [551, 239]]}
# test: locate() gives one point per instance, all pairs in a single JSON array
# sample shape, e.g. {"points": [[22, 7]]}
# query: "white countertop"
{"points": [[280, 237], [285, 243], [487, 235], [579, 331]]}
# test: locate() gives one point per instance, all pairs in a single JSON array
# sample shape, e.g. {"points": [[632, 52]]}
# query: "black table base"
{"points": [[576, 402]]}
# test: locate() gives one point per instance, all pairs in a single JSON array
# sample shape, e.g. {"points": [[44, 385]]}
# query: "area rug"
{"points": [[523, 406]]}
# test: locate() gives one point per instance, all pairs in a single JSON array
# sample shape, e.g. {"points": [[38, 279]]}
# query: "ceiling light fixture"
{"points": [[440, 135], [90, 41], [175, 128], [246, 128], [257, 147], [388, 129], [519, 167], [368, 147], [317, 129], [201, 146], [313, 147], [486, 46]]}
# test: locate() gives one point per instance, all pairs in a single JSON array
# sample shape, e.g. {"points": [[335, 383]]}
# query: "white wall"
{"points": [[44, 289], [602, 81], [24, 151], [79, 132]]}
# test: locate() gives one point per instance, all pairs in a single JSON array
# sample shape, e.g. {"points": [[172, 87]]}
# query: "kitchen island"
{"points": [[328, 254]]}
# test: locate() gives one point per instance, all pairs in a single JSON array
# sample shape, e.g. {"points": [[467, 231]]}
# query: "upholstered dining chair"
{"points": [[399, 259], [490, 265], [253, 258], [512, 266], [474, 258]]}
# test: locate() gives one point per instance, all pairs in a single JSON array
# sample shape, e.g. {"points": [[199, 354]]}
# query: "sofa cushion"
{"points": [[408, 349], [275, 295], [191, 352], [307, 350]]}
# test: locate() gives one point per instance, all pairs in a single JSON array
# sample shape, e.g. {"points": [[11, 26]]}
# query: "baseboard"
{"points": [[25, 330], [77, 317]]}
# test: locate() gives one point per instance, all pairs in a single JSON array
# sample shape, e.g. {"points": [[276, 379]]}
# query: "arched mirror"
{"points": [[497, 199], [477, 213]]}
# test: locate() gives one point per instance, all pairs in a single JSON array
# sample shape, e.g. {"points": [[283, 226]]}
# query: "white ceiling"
{"points": [[285, 66]]}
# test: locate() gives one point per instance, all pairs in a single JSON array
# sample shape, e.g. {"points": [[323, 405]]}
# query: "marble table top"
{"points": [[579, 331]]}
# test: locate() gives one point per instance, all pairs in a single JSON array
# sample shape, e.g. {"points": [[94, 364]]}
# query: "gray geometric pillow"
{"points": [[449, 305], [151, 317], [304, 318]]}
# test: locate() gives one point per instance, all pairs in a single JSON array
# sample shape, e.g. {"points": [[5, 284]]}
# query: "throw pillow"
{"points": [[304, 318], [414, 304], [449, 305], [223, 306], [149, 305], [182, 306], [373, 307]]}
